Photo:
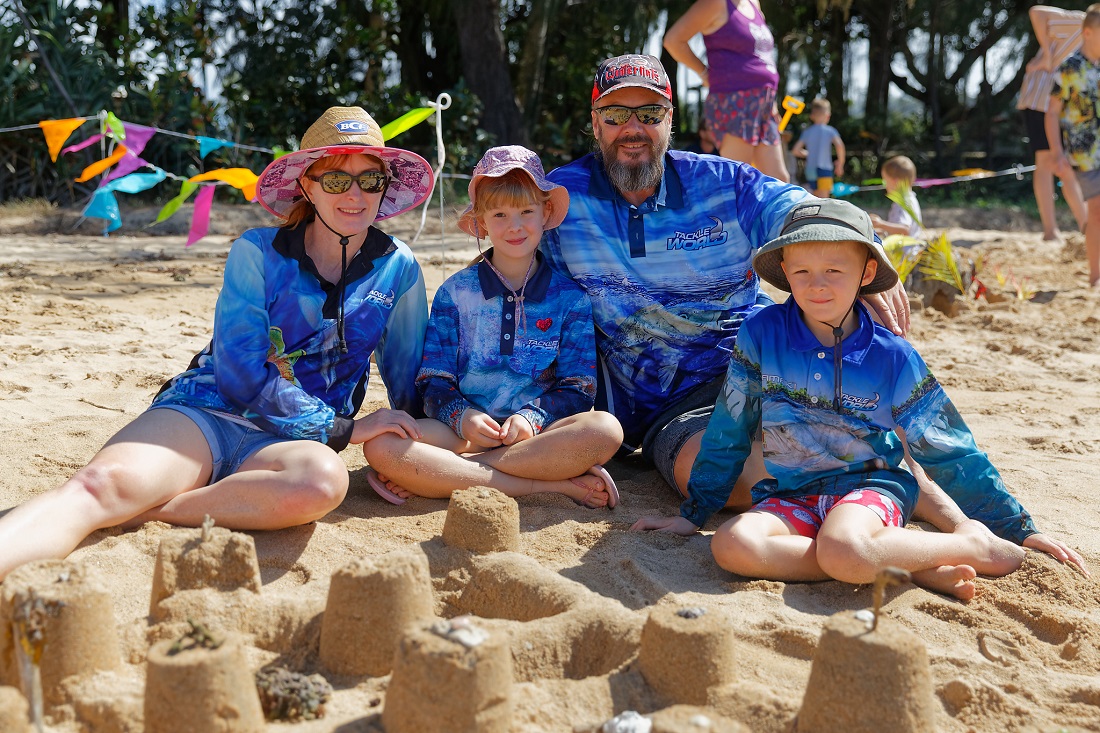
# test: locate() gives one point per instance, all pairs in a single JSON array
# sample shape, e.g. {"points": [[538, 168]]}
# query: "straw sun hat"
{"points": [[346, 131]]}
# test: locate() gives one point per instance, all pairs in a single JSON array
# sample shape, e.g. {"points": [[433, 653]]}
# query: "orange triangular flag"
{"points": [[101, 165], [57, 132], [241, 178]]}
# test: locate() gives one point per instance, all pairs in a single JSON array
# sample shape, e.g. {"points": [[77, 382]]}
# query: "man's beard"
{"points": [[634, 176]]}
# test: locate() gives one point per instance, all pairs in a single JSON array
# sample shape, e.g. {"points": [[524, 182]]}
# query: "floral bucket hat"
{"points": [[346, 131], [501, 160]]}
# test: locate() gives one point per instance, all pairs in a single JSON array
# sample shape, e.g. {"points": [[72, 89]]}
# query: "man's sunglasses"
{"points": [[340, 181], [650, 114]]}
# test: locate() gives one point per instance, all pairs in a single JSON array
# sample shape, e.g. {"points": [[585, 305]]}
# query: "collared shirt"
{"points": [[1063, 39], [1077, 84], [274, 357], [670, 280], [477, 355], [780, 381]]}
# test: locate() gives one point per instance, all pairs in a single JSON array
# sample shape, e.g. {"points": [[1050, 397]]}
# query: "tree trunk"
{"points": [[532, 64], [879, 18], [485, 65]]}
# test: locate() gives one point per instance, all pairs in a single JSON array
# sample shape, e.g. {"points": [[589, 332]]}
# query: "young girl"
{"points": [[508, 376]]}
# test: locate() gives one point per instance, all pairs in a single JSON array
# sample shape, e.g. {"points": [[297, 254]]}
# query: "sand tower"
{"points": [[15, 712], [886, 670], [480, 519], [686, 652], [450, 676], [372, 602], [59, 615], [201, 682], [210, 557]]}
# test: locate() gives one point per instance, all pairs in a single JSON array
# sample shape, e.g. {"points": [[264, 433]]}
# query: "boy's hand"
{"points": [[838, 168], [1062, 166], [481, 430], [515, 429], [1057, 549], [675, 525]]}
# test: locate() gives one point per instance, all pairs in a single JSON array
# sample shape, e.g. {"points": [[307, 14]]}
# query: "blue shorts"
{"points": [[230, 442]]}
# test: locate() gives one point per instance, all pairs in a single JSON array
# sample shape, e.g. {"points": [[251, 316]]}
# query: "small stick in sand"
{"points": [[207, 525], [887, 576], [29, 622]]}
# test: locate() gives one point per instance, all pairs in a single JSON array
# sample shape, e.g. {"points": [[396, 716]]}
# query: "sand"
{"points": [[92, 326]]}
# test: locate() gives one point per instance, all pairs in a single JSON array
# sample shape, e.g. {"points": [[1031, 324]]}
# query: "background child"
{"points": [[1072, 112], [836, 395], [816, 144], [898, 174], [508, 376]]}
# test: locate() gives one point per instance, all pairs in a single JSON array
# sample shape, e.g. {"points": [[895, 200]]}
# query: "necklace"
{"points": [[521, 310]]}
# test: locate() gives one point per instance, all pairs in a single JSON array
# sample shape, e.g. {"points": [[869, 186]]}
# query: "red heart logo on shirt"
{"points": [[544, 324]]}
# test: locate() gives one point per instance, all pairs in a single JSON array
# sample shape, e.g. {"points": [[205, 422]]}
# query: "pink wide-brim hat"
{"points": [[346, 131], [498, 161]]}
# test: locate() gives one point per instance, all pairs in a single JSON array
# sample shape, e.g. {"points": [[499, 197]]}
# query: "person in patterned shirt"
{"points": [[509, 370], [1073, 129], [835, 395]]}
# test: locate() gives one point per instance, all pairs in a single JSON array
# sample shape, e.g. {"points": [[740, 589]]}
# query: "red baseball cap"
{"points": [[631, 70]]}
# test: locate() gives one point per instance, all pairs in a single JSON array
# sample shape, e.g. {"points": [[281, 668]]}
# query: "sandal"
{"points": [[381, 489], [608, 486]]}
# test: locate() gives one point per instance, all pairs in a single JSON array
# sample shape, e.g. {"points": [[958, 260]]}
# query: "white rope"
{"points": [[442, 102]]}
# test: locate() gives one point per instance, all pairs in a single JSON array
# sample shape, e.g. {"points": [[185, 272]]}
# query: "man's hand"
{"points": [[481, 430], [676, 525], [892, 308], [515, 429], [1057, 549]]}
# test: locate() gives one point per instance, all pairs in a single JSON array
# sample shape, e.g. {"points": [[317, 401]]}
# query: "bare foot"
{"points": [[401, 492], [993, 556], [952, 580], [587, 490]]}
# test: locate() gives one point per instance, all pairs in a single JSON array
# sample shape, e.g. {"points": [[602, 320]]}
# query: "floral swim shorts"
{"points": [[807, 513], [748, 114]]}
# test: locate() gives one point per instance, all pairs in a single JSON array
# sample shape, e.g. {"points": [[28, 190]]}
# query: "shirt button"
{"points": [[813, 400], [817, 376], [510, 298], [507, 316], [821, 355], [507, 337]]}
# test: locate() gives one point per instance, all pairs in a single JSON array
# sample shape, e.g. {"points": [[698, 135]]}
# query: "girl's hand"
{"points": [[515, 429], [1057, 549], [480, 430], [385, 420], [675, 525]]}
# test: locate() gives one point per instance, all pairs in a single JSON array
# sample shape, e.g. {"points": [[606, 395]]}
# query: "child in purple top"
{"points": [[508, 375]]}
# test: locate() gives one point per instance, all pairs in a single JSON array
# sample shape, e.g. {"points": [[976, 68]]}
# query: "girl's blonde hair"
{"points": [[514, 188], [302, 210]]}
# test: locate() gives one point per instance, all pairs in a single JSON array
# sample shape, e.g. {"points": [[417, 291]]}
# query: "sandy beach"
{"points": [[93, 325]]}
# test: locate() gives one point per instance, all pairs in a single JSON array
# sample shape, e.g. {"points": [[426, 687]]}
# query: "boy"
{"points": [[1072, 113], [815, 145], [899, 172], [835, 396]]}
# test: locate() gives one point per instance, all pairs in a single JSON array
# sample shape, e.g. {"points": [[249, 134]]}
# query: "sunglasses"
{"points": [[340, 182], [650, 114]]}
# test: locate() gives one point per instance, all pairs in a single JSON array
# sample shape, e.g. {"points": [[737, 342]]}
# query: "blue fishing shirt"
{"points": [[477, 355], [780, 381], [670, 280], [274, 358]]}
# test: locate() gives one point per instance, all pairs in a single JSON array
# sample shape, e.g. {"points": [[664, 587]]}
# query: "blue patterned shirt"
{"points": [[780, 380], [476, 355], [670, 280], [274, 358]]}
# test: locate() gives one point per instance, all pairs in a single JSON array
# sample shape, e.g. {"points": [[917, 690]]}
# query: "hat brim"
{"points": [[767, 262], [411, 178], [559, 204]]}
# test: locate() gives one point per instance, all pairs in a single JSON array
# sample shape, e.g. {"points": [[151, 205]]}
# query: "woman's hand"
{"points": [[1057, 549], [515, 429], [481, 430], [385, 420], [675, 525], [892, 308]]}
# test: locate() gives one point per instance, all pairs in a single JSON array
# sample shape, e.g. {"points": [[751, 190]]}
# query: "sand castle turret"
{"points": [[481, 519], [686, 652], [886, 670], [372, 602], [15, 711], [58, 615], [210, 557], [450, 676], [201, 682]]}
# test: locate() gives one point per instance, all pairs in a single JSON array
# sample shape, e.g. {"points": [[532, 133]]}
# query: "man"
{"points": [[663, 241]]}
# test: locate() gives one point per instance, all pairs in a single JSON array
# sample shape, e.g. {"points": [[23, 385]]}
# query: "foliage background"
{"points": [[519, 71]]}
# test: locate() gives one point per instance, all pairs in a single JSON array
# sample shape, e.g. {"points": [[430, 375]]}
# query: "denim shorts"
{"points": [[231, 443], [672, 428]]}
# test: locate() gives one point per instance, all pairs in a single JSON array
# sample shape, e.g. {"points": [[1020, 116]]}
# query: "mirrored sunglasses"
{"points": [[649, 114], [340, 181]]}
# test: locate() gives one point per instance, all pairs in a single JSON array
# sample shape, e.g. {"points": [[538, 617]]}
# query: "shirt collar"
{"points": [[669, 194], [537, 285], [854, 347], [291, 243]]}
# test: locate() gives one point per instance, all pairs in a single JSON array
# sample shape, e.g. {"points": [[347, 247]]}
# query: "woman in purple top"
{"points": [[742, 77]]}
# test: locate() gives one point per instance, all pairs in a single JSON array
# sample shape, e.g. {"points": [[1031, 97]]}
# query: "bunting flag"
{"points": [[83, 144], [101, 165], [208, 145], [200, 219], [137, 137], [104, 205], [173, 206], [114, 124], [240, 178], [57, 132], [410, 119]]}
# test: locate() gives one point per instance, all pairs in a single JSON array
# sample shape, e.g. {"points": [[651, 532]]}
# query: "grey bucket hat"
{"points": [[824, 220]]}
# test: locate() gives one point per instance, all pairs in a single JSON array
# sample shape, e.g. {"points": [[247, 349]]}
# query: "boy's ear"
{"points": [[869, 272]]}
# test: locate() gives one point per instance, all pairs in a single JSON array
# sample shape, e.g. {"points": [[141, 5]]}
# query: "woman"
{"points": [[742, 77], [249, 434]]}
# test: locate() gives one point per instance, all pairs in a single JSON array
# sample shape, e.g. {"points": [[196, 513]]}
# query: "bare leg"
{"points": [[1071, 190], [741, 497], [1042, 182], [1092, 242], [771, 161], [762, 545]]}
